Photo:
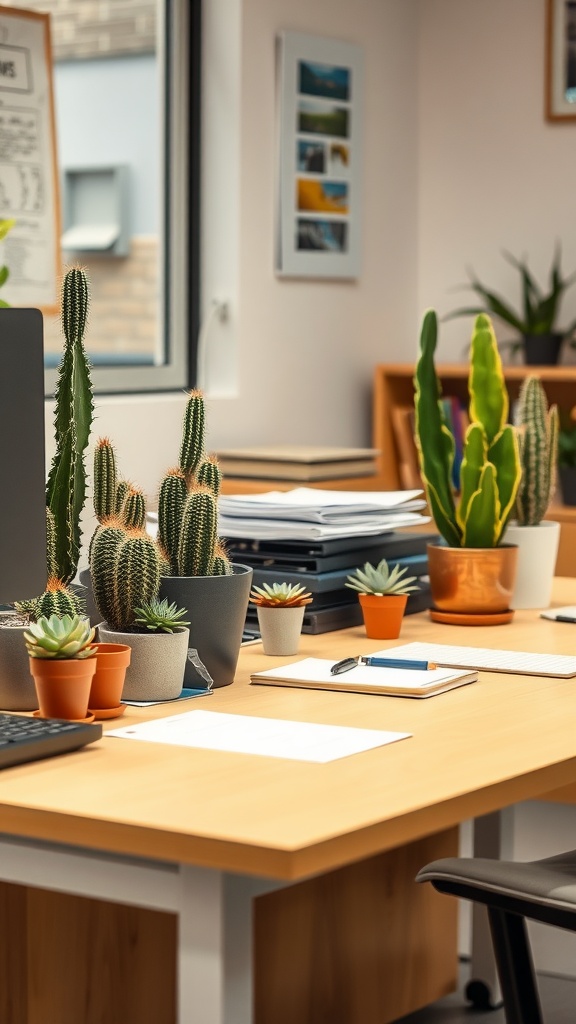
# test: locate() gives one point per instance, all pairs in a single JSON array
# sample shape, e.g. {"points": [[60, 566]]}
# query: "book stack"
{"points": [[318, 538], [297, 462]]}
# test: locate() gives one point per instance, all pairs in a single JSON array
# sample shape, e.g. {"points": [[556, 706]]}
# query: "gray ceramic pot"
{"points": [[156, 669], [216, 608], [17, 689]]}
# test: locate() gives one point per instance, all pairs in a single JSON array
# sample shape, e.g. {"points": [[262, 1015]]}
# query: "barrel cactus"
{"points": [[125, 570], [537, 427], [476, 516]]}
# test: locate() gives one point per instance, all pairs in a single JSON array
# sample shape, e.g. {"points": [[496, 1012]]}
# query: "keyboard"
{"points": [[30, 739]]}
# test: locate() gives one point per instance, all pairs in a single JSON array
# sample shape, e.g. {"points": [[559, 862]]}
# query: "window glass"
{"points": [[118, 115]]}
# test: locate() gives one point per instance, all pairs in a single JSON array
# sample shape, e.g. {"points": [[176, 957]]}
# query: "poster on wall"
{"points": [[561, 60], [29, 193], [320, 91]]}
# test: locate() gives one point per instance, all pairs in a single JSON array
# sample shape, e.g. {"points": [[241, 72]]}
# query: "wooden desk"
{"points": [[198, 834]]}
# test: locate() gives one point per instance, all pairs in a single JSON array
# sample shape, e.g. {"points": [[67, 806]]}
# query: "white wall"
{"points": [[305, 350], [494, 174]]}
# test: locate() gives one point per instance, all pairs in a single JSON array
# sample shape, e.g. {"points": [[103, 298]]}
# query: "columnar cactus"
{"points": [[105, 484], [134, 510], [125, 570], [57, 599], [537, 428], [187, 507], [66, 485], [490, 471]]}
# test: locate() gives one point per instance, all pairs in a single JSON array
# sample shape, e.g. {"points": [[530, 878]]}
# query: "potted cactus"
{"points": [[65, 497], [62, 663], [201, 577], [473, 572], [383, 594], [536, 538], [280, 609]]}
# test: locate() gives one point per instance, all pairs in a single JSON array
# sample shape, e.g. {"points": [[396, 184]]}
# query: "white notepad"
{"points": [[315, 674], [561, 666]]}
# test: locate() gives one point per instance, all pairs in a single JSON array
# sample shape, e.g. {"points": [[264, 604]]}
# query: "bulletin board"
{"points": [[29, 188]]}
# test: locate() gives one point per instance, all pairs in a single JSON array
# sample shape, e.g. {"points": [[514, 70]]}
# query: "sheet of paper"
{"points": [[318, 670], [568, 611], [270, 737], [558, 666]]}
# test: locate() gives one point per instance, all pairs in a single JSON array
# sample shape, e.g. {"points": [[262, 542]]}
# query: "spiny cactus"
{"points": [[537, 428], [134, 510], [114, 497], [51, 562], [66, 485], [187, 506], [58, 599], [125, 570]]}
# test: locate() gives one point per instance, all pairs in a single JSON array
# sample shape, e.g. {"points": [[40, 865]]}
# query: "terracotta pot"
{"points": [[383, 614], [63, 686], [112, 660], [280, 629], [474, 580]]}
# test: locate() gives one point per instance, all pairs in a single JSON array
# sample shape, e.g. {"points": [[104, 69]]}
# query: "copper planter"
{"points": [[476, 580]]}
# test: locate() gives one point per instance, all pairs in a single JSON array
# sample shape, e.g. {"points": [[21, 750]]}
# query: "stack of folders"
{"points": [[316, 674], [297, 462], [318, 538]]}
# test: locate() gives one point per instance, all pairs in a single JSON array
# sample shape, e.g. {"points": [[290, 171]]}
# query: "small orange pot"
{"points": [[383, 615], [63, 686], [112, 660]]}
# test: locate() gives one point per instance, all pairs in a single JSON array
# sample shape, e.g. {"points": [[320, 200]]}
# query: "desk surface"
{"points": [[474, 750]]}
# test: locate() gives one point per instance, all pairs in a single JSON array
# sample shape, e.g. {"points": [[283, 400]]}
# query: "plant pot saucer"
{"points": [[471, 619], [102, 713], [89, 718]]}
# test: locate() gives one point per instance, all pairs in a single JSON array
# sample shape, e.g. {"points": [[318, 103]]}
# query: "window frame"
{"points": [[179, 76]]}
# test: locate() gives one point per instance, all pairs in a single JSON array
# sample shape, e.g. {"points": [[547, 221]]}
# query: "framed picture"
{"points": [[561, 60], [320, 87]]}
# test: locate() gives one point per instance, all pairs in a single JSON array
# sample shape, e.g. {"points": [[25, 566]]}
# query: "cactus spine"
{"points": [[537, 428], [66, 485], [125, 569], [58, 600], [188, 506]]}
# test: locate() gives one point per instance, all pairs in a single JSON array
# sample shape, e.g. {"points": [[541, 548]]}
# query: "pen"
{"points": [[397, 663], [564, 618]]}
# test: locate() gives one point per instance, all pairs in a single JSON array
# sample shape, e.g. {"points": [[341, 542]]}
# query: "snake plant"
{"points": [[476, 515]]}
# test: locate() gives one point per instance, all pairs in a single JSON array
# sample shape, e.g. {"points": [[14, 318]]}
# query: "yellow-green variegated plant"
{"points": [[476, 515], [5, 227]]}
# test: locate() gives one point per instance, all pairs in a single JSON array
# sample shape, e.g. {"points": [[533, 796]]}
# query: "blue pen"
{"points": [[397, 663]]}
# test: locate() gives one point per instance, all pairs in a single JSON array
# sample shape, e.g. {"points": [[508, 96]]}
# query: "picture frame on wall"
{"points": [[320, 120], [561, 60]]}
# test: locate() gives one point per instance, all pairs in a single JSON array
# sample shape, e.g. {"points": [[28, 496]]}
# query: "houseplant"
{"points": [[280, 609], [567, 457], [536, 322], [536, 538], [125, 566], [473, 573], [383, 593], [201, 577], [62, 664]]}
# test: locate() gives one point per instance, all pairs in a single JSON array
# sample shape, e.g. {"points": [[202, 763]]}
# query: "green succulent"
{"points": [[160, 616], [66, 636], [381, 579], [280, 595]]}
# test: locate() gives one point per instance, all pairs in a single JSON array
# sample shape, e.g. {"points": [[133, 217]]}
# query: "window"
{"points": [[126, 84]]}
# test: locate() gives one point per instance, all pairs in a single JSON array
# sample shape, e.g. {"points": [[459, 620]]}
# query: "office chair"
{"points": [[539, 890]]}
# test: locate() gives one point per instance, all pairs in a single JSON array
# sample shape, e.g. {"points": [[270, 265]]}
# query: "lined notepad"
{"points": [[315, 674], [561, 666]]}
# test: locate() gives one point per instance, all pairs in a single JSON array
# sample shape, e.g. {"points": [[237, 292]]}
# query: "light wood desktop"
{"points": [[196, 834]]}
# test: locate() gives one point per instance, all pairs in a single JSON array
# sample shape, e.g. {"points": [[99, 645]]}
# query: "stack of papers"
{"points": [[305, 513]]}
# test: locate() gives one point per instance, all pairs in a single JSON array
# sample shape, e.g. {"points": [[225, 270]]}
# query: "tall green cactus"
{"points": [[538, 445], [125, 570], [187, 506], [490, 470], [66, 485]]}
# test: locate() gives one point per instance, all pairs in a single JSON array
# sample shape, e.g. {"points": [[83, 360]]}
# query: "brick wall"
{"points": [[97, 28]]}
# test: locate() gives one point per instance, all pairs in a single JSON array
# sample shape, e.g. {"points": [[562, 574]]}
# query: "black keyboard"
{"points": [[29, 739]]}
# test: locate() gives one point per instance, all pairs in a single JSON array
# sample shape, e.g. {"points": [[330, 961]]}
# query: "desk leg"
{"points": [[493, 837], [215, 946]]}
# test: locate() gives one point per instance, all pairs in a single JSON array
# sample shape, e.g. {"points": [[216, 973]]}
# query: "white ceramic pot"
{"points": [[280, 629], [537, 551], [156, 669]]}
